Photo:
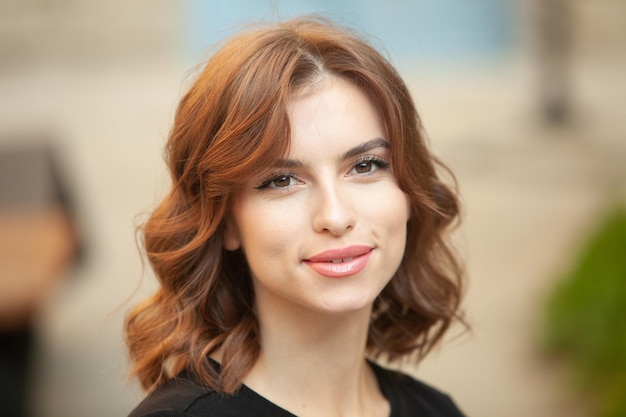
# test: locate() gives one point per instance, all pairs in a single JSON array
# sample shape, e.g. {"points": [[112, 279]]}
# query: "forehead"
{"points": [[334, 112]]}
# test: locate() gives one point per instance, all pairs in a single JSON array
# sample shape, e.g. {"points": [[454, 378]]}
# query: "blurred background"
{"points": [[524, 100]]}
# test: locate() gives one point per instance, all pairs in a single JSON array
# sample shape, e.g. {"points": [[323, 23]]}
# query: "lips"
{"points": [[342, 262]]}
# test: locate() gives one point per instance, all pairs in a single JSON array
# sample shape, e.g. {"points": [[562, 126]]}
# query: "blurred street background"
{"points": [[523, 99]]}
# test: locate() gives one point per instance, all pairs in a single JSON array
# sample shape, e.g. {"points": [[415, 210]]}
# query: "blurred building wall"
{"points": [[423, 32], [77, 32]]}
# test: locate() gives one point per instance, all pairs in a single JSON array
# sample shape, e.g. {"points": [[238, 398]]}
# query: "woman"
{"points": [[303, 237]]}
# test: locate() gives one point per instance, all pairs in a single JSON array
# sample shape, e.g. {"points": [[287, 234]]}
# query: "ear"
{"points": [[231, 239]]}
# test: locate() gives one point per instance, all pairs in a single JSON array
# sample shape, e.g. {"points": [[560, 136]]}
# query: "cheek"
{"points": [[398, 219], [401, 214], [393, 205], [265, 231]]}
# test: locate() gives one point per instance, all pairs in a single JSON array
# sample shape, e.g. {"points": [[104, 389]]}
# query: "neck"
{"points": [[314, 364]]}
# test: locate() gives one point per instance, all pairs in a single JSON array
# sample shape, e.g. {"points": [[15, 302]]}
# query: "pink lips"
{"points": [[343, 262]]}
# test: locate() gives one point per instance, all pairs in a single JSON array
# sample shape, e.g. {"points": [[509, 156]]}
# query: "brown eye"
{"points": [[363, 167], [368, 165], [282, 181]]}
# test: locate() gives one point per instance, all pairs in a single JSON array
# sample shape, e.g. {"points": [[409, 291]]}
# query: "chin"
{"points": [[348, 305]]}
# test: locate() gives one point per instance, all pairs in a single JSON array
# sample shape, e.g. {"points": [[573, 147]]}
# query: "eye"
{"points": [[279, 181], [282, 181], [368, 165], [363, 167]]}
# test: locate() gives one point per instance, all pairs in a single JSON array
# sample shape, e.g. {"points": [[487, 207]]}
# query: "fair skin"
{"points": [[323, 233]]}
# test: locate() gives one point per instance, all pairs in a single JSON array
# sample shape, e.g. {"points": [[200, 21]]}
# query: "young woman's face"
{"points": [[325, 229]]}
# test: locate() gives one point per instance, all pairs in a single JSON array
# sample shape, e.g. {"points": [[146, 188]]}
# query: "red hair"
{"points": [[231, 124]]}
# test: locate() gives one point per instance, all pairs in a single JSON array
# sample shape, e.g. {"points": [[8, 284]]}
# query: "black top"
{"points": [[181, 397]]}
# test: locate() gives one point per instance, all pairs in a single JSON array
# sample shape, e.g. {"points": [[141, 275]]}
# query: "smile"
{"points": [[343, 262], [338, 261]]}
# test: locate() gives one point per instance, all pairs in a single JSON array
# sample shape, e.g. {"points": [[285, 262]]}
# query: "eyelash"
{"points": [[267, 183], [371, 159], [366, 159]]}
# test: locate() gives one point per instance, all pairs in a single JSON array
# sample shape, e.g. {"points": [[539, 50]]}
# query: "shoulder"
{"points": [[181, 397], [172, 399], [409, 396]]}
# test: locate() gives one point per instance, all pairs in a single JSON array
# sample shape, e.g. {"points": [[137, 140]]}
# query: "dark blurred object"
{"points": [[38, 243], [554, 28]]}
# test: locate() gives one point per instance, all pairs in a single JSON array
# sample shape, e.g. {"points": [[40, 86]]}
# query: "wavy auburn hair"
{"points": [[231, 124]]}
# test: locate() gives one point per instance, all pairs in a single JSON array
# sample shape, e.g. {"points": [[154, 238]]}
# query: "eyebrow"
{"points": [[364, 147], [357, 150]]}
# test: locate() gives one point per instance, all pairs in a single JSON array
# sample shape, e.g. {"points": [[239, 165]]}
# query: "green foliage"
{"points": [[586, 316]]}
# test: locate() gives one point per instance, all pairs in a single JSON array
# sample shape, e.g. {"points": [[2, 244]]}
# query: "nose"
{"points": [[333, 211]]}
